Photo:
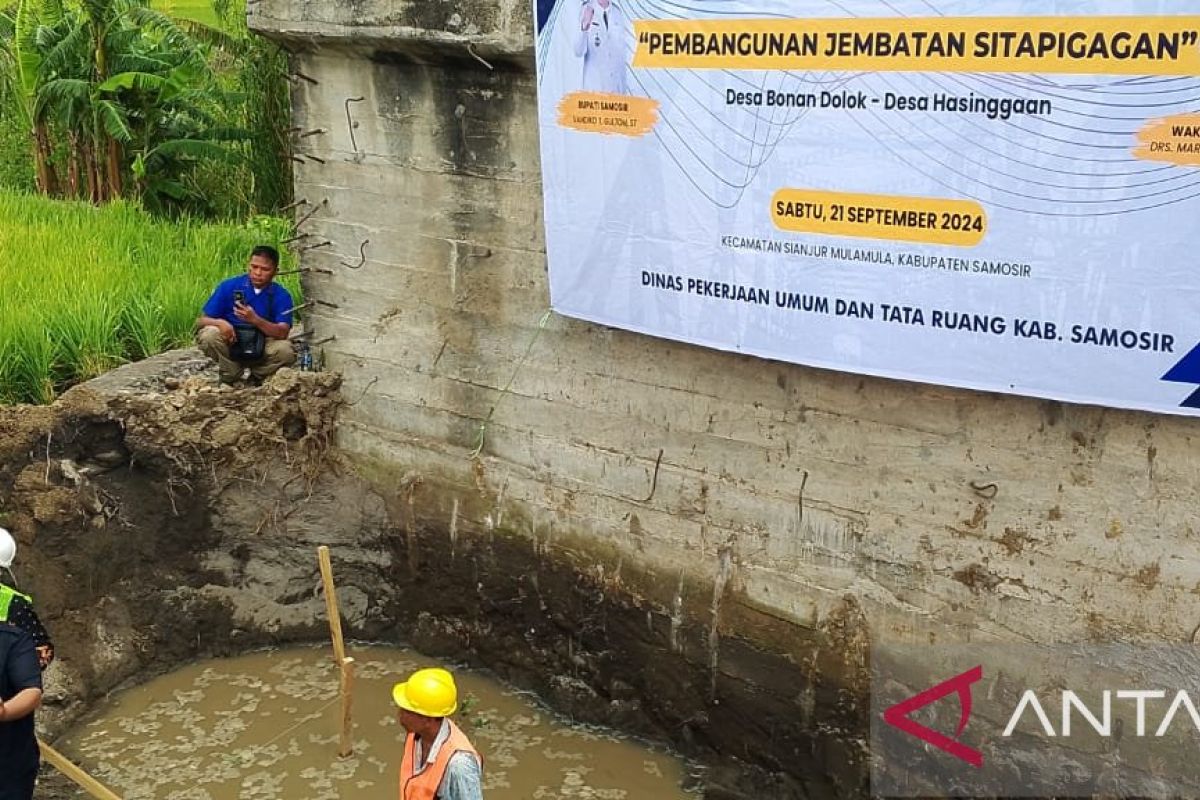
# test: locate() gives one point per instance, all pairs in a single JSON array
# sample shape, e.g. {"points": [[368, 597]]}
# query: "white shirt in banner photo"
{"points": [[602, 41]]}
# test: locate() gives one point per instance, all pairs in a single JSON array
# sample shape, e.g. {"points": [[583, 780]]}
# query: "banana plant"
{"points": [[131, 89], [21, 76], [126, 102], [179, 128]]}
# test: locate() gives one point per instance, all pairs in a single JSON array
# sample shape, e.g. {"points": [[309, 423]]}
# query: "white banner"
{"points": [[998, 195]]}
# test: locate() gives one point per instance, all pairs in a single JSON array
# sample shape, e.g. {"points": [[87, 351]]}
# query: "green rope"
{"points": [[483, 425], [256, 749]]}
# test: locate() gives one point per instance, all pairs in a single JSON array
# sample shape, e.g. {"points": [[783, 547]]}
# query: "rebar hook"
{"points": [[351, 124], [362, 256]]}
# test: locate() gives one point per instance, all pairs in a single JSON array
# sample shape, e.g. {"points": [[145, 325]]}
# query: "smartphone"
{"points": [[239, 296]]}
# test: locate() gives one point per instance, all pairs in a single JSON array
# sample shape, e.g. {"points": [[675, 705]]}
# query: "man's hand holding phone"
{"points": [[242, 311]]}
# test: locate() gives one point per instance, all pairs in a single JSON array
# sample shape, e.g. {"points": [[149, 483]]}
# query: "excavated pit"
{"points": [[163, 521], [267, 725]]}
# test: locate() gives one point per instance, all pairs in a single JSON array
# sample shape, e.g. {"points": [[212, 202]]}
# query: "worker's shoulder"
{"points": [[16, 594], [463, 779], [281, 293], [11, 635], [463, 761]]}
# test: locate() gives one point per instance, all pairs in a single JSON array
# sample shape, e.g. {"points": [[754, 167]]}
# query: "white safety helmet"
{"points": [[8, 548]]}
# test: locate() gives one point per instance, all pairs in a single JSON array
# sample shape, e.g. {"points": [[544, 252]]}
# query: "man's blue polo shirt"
{"points": [[274, 304]]}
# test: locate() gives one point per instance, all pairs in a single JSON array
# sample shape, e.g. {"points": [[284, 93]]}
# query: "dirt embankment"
{"points": [[162, 520]]}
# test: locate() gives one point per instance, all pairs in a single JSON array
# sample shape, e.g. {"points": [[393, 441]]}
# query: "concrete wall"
{"points": [[762, 501]]}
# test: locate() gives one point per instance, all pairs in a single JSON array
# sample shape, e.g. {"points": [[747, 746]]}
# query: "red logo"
{"points": [[898, 716]]}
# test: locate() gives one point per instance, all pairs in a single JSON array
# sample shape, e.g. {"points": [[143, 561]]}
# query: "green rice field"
{"points": [[83, 289], [196, 10]]}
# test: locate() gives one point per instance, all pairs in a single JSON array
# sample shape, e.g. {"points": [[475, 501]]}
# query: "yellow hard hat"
{"points": [[429, 692]]}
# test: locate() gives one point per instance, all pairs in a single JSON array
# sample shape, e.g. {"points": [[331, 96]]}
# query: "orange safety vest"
{"points": [[425, 785]]}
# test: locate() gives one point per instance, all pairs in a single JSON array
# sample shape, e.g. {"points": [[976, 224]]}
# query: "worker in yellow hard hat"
{"points": [[440, 763]]}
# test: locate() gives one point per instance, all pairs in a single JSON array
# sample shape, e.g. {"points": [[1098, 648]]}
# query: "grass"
{"points": [[87, 289], [195, 10]]}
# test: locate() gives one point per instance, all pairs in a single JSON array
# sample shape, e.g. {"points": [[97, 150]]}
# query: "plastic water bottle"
{"points": [[306, 359]]}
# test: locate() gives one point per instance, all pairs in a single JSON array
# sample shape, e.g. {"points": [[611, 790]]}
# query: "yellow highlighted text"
{"points": [[608, 113], [1175, 140], [1142, 45], [962, 223]]}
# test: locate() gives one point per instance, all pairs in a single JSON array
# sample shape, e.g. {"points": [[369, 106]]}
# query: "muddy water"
{"points": [[266, 725]]}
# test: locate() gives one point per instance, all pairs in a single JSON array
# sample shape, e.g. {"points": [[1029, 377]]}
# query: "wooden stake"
{"points": [[344, 664], [346, 749], [90, 784], [331, 607]]}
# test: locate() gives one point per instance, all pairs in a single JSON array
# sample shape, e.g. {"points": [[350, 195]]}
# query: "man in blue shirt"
{"points": [[243, 309], [20, 695]]}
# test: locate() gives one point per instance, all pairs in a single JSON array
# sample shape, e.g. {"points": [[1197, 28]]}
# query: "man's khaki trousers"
{"points": [[278, 353]]}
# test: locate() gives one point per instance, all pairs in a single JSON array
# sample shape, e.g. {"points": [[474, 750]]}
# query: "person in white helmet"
{"points": [[16, 609]]}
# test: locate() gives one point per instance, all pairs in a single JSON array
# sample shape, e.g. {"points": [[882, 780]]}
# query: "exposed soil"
{"points": [[162, 520]]}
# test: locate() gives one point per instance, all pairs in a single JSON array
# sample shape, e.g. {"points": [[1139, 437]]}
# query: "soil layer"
{"points": [[162, 520]]}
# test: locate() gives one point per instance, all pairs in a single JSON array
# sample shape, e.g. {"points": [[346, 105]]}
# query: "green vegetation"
{"points": [[86, 289], [196, 10], [115, 99], [158, 127], [16, 163]]}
